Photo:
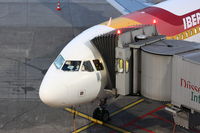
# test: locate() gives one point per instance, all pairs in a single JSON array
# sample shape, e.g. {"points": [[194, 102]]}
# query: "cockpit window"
{"points": [[71, 66], [59, 61], [98, 65], [87, 66]]}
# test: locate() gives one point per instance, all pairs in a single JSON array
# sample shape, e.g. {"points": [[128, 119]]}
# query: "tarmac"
{"points": [[32, 33]]}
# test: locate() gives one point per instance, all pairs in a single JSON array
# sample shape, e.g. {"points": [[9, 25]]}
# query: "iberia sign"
{"points": [[191, 20]]}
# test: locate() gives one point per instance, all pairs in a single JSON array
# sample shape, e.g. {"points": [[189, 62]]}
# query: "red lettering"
{"points": [[187, 84], [196, 88], [192, 87], [183, 82]]}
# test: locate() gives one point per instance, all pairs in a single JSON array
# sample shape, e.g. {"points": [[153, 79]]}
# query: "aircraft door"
{"points": [[89, 76]]}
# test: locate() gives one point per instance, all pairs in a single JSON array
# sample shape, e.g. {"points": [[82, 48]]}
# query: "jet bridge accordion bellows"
{"points": [[106, 45]]}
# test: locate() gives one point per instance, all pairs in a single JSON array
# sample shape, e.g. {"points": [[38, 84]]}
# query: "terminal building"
{"points": [[140, 61]]}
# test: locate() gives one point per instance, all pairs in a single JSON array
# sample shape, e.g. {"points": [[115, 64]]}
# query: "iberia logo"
{"points": [[191, 21], [194, 89]]}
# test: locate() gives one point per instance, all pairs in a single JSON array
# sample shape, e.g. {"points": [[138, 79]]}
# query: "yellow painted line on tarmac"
{"points": [[83, 128], [112, 114], [84, 116], [127, 107], [96, 121]]}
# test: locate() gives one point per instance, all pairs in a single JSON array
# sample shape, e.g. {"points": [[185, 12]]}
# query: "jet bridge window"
{"points": [[98, 65], [71, 66], [127, 66], [120, 65], [59, 61], [87, 66]]}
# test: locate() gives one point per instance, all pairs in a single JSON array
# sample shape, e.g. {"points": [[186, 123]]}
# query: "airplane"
{"points": [[79, 74]]}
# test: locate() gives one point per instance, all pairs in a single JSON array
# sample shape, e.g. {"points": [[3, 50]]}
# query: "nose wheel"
{"points": [[101, 113]]}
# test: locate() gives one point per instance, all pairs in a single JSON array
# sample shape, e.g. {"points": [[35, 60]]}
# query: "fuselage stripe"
{"points": [[186, 34], [169, 24]]}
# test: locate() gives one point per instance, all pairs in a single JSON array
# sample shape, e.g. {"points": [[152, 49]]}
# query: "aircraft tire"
{"points": [[102, 115], [105, 115]]}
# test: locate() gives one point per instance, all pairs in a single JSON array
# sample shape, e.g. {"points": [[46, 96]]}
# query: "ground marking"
{"points": [[95, 121]]}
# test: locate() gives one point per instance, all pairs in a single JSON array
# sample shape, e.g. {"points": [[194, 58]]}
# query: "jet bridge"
{"points": [[120, 51], [170, 72], [141, 61]]}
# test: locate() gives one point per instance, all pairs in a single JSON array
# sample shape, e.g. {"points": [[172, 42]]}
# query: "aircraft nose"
{"points": [[56, 92], [59, 89], [47, 94], [50, 91]]}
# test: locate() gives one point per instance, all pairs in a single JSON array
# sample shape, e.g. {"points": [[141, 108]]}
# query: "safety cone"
{"points": [[58, 8]]}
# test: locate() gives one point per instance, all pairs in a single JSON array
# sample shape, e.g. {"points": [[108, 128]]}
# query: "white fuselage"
{"points": [[67, 88]]}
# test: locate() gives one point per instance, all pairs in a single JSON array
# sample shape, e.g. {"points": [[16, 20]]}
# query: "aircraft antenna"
{"points": [[109, 22]]}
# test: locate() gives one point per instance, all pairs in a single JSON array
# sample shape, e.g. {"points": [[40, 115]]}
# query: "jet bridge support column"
{"points": [[128, 59], [136, 60], [136, 66], [122, 73]]}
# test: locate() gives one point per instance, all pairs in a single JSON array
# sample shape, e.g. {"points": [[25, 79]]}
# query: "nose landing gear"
{"points": [[101, 113]]}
